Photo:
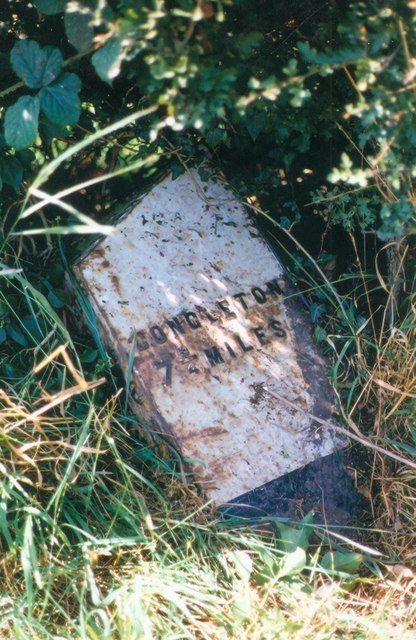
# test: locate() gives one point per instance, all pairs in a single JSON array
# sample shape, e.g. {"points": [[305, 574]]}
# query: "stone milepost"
{"points": [[189, 288]]}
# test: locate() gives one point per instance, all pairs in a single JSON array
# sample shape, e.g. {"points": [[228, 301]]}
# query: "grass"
{"points": [[101, 539], [99, 536]]}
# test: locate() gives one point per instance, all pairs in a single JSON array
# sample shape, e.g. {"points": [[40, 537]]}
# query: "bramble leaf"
{"points": [[21, 122], [60, 102], [35, 66], [53, 64], [50, 7], [107, 60], [79, 25]]}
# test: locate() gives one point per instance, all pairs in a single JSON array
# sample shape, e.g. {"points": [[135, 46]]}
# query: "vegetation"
{"points": [[309, 111]]}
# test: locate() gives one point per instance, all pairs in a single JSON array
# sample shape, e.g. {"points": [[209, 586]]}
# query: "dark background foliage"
{"points": [[307, 108]]}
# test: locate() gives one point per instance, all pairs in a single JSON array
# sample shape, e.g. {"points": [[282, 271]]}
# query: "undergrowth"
{"points": [[102, 533], [101, 538]]}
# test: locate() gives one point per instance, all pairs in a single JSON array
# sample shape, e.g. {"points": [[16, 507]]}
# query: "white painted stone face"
{"points": [[190, 283]]}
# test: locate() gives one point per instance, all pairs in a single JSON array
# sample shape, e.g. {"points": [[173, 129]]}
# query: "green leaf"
{"points": [[307, 523], [32, 326], [294, 537], [215, 137], [269, 567], [36, 66], [53, 64], [345, 561], [26, 157], [48, 130], [11, 171], [3, 335], [57, 298], [21, 122], [107, 60], [293, 563], [246, 42], [16, 335], [79, 25], [320, 334], [89, 355], [50, 7], [60, 102], [255, 122]]}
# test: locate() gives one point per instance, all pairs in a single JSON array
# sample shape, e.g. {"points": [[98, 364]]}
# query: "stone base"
{"points": [[322, 486]]}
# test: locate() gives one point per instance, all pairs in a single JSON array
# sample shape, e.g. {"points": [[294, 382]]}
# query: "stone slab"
{"points": [[188, 286]]}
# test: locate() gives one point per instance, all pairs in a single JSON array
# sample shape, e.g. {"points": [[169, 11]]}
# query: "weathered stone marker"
{"points": [[190, 285]]}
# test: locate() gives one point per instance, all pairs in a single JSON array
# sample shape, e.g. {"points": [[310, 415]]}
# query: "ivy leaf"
{"points": [[11, 171], [60, 102], [50, 7], [21, 122], [79, 25], [36, 66], [107, 60]]}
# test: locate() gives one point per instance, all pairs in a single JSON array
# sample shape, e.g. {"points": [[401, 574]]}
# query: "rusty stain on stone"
{"points": [[188, 278]]}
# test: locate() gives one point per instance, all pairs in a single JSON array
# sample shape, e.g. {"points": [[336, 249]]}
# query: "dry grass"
{"points": [[101, 539], [387, 399]]}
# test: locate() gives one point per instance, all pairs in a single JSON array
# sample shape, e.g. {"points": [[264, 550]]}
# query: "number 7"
{"points": [[167, 364]]}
